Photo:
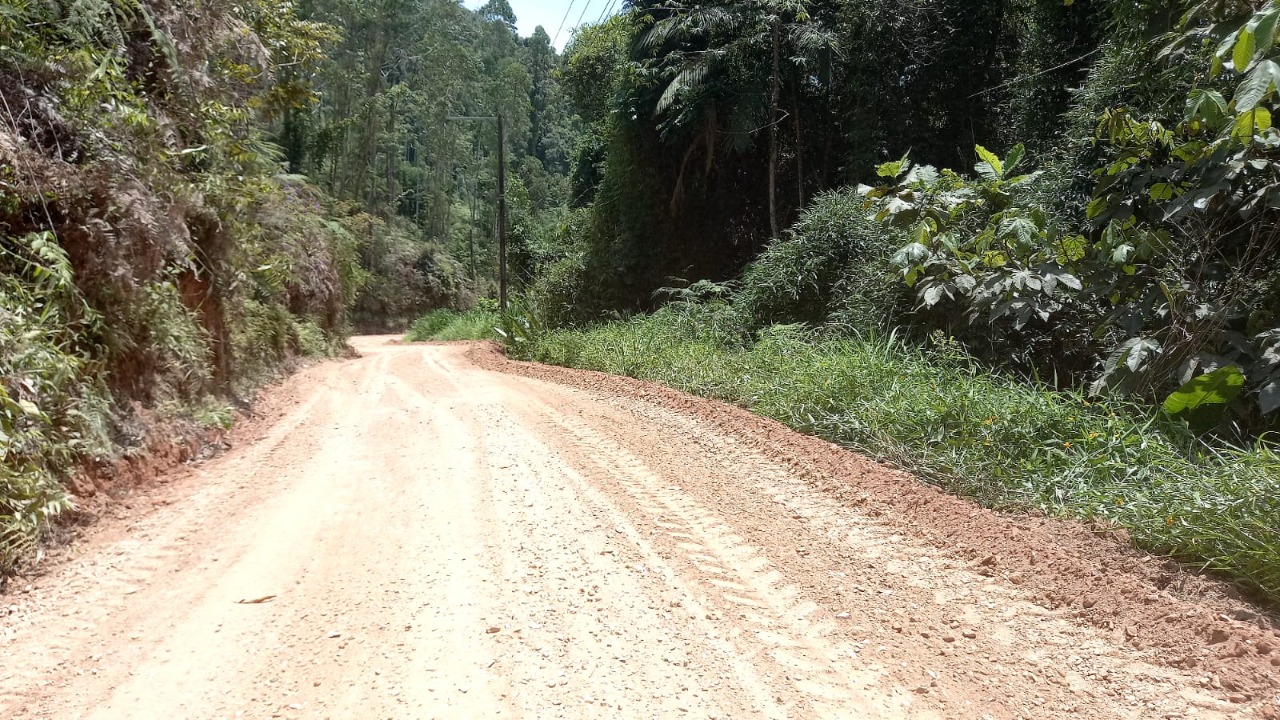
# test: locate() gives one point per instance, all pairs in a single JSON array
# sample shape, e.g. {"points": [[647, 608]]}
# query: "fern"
{"points": [[44, 261], [92, 22], [106, 24]]}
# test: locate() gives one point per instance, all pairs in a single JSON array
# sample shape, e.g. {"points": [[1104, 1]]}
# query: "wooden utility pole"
{"points": [[502, 215], [502, 200], [774, 99]]}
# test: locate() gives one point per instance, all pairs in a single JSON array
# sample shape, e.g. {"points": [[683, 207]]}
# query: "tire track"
{"points": [[792, 633], [536, 493], [441, 541], [966, 636]]}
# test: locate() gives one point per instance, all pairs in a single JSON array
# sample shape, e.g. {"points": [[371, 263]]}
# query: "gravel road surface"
{"points": [[431, 531]]}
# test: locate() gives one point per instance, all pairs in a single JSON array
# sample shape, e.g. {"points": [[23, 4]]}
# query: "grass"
{"points": [[447, 324], [1002, 441]]}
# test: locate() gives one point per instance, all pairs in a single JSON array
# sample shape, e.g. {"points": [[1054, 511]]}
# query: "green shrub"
{"points": [[478, 324], [310, 339], [260, 335], [53, 404], [406, 276], [179, 345], [580, 284], [561, 289], [833, 268]]}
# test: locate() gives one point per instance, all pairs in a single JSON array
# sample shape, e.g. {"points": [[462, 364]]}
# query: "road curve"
{"points": [[413, 536]]}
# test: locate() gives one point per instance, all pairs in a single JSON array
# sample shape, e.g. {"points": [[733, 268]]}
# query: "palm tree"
{"points": [[740, 43]]}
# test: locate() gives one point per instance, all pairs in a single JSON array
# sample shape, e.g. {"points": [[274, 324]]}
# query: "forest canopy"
{"points": [[1074, 190]]}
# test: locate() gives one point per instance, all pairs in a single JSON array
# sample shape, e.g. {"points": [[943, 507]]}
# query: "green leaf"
{"points": [[1072, 249], [1022, 232], [1264, 28], [1256, 85], [1096, 207], [893, 169], [1228, 42], [924, 174], [1140, 350], [1251, 123], [1246, 47], [923, 232], [991, 169], [1015, 157], [1203, 401], [911, 254], [1160, 192]]}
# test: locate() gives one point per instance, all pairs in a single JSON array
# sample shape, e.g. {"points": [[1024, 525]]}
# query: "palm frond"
{"points": [[688, 25], [809, 37], [691, 77]]}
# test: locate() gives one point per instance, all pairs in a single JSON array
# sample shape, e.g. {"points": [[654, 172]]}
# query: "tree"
{"points": [[700, 44], [499, 10]]}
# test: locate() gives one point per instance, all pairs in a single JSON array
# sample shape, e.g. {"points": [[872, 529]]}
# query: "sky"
{"points": [[550, 13]]}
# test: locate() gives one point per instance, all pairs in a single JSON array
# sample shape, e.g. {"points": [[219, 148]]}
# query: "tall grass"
{"points": [[1004, 442], [478, 324]]}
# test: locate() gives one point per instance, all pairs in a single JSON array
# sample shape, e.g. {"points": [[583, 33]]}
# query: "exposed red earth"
{"points": [[437, 531]]}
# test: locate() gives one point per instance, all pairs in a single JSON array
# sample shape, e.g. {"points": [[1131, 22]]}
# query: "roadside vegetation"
{"points": [[1026, 250], [932, 409], [193, 196], [153, 257], [444, 324]]}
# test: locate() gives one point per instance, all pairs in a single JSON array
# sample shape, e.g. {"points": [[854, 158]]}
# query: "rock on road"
{"points": [[414, 536]]}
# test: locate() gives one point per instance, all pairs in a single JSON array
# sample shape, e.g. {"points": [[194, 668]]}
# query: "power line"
{"points": [[1023, 78], [608, 10], [585, 8], [568, 10]]}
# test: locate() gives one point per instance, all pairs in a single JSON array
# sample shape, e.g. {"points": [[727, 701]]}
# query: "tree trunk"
{"points": [[471, 231], [799, 156], [394, 153], [447, 234], [773, 130]]}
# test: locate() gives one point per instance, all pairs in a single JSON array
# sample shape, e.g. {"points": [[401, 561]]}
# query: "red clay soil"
{"points": [[1147, 602], [168, 448], [97, 483]]}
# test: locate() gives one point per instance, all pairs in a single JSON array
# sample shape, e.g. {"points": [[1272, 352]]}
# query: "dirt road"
{"points": [[412, 535]]}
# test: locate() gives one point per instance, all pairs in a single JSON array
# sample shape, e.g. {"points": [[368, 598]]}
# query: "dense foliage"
{"points": [[192, 194], [1062, 212], [1118, 237], [480, 323], [151, 252], [384, 137], [1077, 193]]}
